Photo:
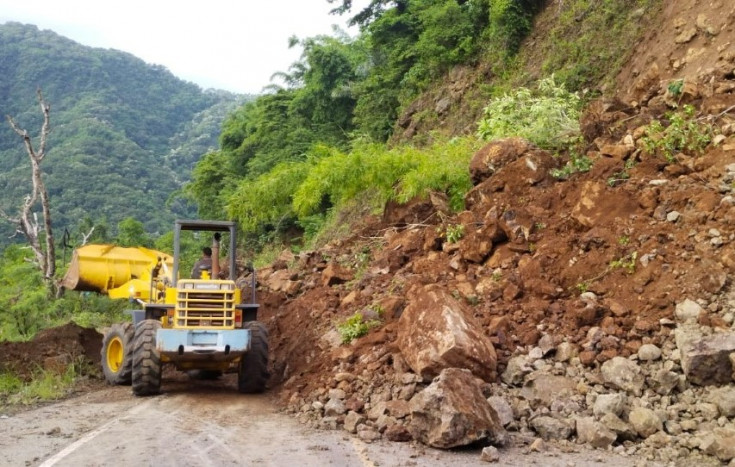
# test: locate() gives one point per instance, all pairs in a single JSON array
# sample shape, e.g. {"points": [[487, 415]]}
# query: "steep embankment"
{"points": [[603, 301]]}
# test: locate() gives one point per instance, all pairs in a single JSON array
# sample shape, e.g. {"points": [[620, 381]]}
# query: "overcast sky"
{"points": [[234, 45]]}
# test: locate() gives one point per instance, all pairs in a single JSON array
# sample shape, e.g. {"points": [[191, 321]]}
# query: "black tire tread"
{"points": [[253, 372], [126, 332], [146, 359]]}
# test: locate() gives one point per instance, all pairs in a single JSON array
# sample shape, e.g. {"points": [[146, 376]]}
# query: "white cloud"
{"points": [[226, 44]]}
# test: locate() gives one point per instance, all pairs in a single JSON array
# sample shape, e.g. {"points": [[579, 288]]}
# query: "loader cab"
{"points": [[225, 228]]}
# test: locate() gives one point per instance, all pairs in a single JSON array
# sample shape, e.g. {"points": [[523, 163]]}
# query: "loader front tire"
{"points": [[252, 374], [146, 359], [117, 353]]}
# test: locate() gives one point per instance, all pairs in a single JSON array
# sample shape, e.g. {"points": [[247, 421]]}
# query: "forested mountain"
{"points": [[124, 134]]}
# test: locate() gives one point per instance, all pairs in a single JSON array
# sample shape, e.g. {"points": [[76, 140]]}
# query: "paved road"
{"points": [[207, 423]]}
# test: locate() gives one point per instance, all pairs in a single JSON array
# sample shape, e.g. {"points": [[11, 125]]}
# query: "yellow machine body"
{"points": [[120, 272]]}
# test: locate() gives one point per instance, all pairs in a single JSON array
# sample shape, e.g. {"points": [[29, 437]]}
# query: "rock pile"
{"points": [[594, 309]]}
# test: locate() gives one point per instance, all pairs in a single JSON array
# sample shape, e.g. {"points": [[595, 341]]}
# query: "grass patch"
{"points": [[44, 386], [591, 39]]}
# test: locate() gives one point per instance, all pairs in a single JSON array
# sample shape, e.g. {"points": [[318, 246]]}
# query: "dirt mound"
{"points": [[594, 263], [52, 349]]}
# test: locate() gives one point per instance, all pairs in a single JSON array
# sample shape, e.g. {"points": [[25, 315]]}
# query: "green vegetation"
{"points": [[682, 132], [590, 39], [132, 147], [454, 233], [576, 163], [627, 262], [547, 116], [44, 386], [303, 192], [125, 135], [354, 327]]}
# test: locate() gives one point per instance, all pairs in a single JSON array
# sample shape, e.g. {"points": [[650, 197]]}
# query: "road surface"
{"points": [[207, 423]]}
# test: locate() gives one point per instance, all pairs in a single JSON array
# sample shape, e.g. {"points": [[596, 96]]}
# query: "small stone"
{"points": [[673, 216], [490, 454], [624, 430], [724, 399], [720, 443], [334, 407], [708, 411], [686, 35], [565, 352], [502, 408], [594, 433], [536, 353], [352, 419], [538, 445], [398, 433], [609, 403], [645, 421], [518, 367], [621, 373], [689, 425], [649, 352], [552, 428], [688, 309], [368, 435]]}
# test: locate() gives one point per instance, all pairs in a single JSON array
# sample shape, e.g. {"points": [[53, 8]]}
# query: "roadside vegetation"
{"points": [[295, 166]]}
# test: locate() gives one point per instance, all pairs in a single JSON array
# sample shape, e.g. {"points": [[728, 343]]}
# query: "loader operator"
{"points": [[204, 263]]}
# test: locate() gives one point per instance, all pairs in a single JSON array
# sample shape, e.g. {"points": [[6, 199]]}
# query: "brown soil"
{"points": [[52, 349]]}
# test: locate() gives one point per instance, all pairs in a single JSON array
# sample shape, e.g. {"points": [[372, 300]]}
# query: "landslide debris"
{"points": [[594, 309], [52, 349]]}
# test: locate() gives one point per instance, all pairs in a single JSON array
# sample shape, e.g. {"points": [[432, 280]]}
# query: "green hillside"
{"points": [[124, 134]]}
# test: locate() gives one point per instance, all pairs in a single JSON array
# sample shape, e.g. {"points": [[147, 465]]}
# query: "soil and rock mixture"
{"points": [[52, 349], [593, 310]]}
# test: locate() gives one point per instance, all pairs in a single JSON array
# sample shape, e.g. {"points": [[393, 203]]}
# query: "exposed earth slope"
{"points": [[594, 309]]}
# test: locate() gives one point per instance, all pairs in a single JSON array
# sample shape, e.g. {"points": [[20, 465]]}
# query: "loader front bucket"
{"points": [[102, 268]]}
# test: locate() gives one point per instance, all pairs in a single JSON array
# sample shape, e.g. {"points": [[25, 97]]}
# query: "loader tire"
{"points": [[117, 353], [252, 375], [146, 359]]}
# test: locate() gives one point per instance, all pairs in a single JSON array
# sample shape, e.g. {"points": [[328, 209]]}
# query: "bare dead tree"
{"points": [[26, 221], [85, 237]]}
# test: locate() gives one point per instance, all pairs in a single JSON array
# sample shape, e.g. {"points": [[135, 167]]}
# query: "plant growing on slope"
{"points": [[454, 233], [684, 133], [577, 163], [548, 116], [354, 327]]}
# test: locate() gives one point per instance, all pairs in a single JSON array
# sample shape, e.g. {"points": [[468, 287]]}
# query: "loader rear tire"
{"points": [[146, 359], [252, 375], [117, 353]]}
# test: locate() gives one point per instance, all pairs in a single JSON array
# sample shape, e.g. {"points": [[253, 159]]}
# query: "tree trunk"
{"points": [[27, 221]]}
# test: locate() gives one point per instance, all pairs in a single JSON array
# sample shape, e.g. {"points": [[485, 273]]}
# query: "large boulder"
{"points": [[436, 332], [335, 274], [417, 210], [596, 204], [705, 359], [453, 412], [624, 374], [496, 155]]}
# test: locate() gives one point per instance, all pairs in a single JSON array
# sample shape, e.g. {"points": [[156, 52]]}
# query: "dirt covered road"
{"points": [[207, 423]]}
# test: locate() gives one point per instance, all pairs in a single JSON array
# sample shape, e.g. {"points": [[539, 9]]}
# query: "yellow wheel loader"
{"points": [[194, 324]]}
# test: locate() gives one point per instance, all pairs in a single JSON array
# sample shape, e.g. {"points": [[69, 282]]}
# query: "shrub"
{"points": [[684, 133], [548, 117]]}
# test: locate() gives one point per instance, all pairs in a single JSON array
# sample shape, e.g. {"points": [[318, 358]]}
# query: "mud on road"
{"points": [[208, 423]]}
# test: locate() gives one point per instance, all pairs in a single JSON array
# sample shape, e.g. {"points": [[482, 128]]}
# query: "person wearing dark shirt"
{"points": [[204, 263]]}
